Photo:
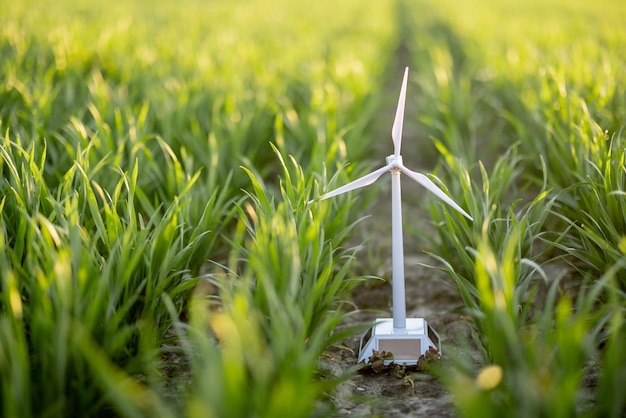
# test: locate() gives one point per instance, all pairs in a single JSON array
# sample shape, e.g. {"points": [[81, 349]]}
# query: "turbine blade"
{"points": [[358, 183], [428, 184], [396, 130]]}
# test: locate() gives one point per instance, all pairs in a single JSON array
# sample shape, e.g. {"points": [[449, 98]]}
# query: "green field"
{"points": [[158, 254]]}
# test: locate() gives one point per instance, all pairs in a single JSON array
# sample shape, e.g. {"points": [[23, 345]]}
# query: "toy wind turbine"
{"points": [[406, 339]]}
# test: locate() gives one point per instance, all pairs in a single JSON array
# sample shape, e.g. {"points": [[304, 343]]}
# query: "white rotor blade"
{"points": [[396, 130], [358, 183], [428, 184]]}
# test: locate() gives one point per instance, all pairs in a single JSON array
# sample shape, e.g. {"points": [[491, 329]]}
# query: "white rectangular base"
{"points": [[406, 344]]}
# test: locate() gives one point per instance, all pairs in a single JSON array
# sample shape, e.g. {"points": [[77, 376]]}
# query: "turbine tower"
{"points": [[405, 341]]}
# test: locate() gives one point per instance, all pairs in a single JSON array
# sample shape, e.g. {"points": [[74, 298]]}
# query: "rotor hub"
{"points": [[394, 162]]}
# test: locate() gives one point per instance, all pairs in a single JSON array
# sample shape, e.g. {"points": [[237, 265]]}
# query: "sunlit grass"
{"points": [[148, 148], [124, 131], [529, 120]]}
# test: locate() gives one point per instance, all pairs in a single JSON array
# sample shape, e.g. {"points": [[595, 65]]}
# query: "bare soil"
{"points": [[389, 394]]}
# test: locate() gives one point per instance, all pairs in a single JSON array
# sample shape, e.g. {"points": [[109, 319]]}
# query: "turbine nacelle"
{"points": [[394, 162]]}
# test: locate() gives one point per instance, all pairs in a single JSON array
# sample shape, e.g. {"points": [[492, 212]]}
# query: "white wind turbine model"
{"points": [[406, 339]]}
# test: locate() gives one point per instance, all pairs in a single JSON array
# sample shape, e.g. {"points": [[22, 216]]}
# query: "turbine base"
{"points": [[406, 344]]}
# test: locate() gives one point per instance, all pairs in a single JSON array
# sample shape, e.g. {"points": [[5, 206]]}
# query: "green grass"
{"points": [[85, 261], [157, 163], [124, 129], [529, 121], [280, 303]]}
